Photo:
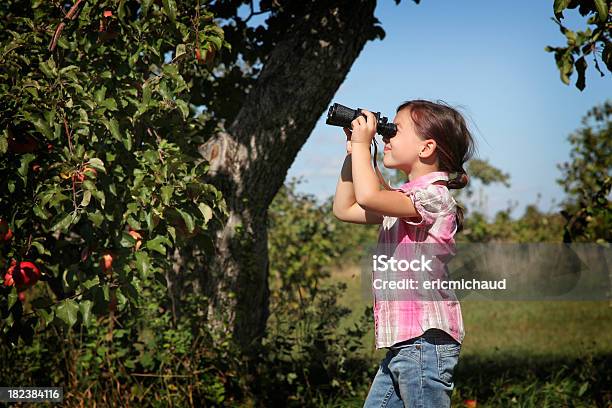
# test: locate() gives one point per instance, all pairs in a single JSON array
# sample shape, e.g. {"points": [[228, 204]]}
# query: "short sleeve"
{"points": [[431, 202]]}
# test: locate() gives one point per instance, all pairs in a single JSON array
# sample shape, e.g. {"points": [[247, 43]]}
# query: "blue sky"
{"points": [[488, 58]]}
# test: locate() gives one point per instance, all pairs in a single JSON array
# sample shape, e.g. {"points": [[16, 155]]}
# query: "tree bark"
{"points": [[250, 159]]}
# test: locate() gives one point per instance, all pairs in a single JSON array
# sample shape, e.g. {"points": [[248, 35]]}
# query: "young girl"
{"points": [[423, 338]]}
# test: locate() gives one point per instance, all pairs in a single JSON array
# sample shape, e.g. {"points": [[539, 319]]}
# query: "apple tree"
{"points": [[101, 180]]}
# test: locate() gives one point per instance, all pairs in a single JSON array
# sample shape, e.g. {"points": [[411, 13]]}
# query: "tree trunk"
{"points": [[250, 159]]}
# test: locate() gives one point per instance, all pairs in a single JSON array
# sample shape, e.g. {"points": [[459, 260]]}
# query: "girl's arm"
{"points": [[366, 188], [345, 205]]}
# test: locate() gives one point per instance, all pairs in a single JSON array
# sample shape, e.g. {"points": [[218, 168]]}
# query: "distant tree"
{"points": [[587, 179]]}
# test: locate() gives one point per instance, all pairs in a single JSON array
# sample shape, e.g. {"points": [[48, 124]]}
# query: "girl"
{"points": [[423, 338]]}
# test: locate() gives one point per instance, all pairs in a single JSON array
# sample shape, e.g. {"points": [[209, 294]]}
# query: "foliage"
{"points": [[139, 357], [92, 145], [304, 357], [533, 226], [587, 179], [596, 42], [487, 174], [306, 240]]}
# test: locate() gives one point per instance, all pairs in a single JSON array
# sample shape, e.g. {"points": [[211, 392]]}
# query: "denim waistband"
{"points": [[437, 335]]}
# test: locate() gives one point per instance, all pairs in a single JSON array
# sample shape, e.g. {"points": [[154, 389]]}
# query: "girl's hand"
{"points": [[364, 131], [347, 132]]}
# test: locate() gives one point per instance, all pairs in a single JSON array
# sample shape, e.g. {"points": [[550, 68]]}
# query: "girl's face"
{"points": [[402, 150]]}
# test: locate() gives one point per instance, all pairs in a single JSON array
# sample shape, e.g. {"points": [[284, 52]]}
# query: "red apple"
{"points": [[22, 275], [136, 235], [5, 231], [107, 262], [8, 277], [87, 172]]}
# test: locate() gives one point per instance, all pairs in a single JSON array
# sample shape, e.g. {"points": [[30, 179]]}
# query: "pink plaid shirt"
{"points": [[399, 320]]}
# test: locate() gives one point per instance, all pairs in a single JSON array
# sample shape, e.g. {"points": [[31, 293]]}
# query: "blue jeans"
{"points": [[416, 373]]}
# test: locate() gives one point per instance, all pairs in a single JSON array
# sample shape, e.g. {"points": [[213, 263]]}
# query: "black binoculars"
{"points": [[339, 115]]}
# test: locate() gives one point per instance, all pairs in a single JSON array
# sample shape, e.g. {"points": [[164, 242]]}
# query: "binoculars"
{"points": [[339, 115]]}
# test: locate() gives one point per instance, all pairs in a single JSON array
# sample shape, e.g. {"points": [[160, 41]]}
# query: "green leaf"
{"points": [[566, 67], [182, 105], [143, 264], [134, 57], [606, 56], [206, 212], [32, 91], [127, 241], [127, 141], [85, 307], [172, 232], [130, 292], [146, 94], [100, 196], [602, 10], [180, 51], [100, 95], [96, 164], [188, 220], [149, 220], [58, 198], [40, 213], [46, 315], [26, 159], [48, 68], [157, 244], [151, 156], [64, 223], [121, 11], [12, 298], [583, 388], [113, 126], [560, 5], [216, 42], [581, 66], [40, 248], [145, 7], [4, 141], [170, 9], [86, 198], [89, 283], [67, 312], [110, 104], [68, 69], [166, 193], [97, 218], [162, 89], [41, 124]]}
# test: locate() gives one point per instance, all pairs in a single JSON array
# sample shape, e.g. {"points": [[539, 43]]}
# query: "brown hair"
{"points": [[454, 142]]}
